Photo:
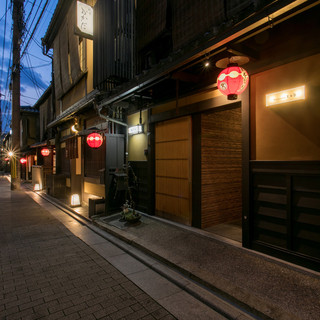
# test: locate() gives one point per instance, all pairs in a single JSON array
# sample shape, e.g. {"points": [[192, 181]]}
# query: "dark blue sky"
{"points": [[36, 68]]}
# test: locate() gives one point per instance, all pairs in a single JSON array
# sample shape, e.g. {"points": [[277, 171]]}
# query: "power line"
{"points": [[34, 2], [32, 55], [22, 95], [4, 40], [32, 80], [31, 22], [39, 66], [34, 29], [5, 14]]}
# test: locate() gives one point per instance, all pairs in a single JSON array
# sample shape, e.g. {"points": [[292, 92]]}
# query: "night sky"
{"points": [[35, 67]]}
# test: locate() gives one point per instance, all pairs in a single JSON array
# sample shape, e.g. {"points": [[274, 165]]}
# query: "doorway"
{"points": [[221, 172]]}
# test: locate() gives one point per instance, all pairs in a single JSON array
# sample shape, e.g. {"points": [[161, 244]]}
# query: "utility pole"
{"points": [[17, 18]]}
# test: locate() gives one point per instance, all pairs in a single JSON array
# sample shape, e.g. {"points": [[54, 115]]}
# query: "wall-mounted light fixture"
{"points": [[135, 129], [138, 128], [73, 129], [206, 63], [285, 96]]}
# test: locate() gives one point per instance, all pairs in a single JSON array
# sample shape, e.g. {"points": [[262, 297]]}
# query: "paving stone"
{"points": [[48, 272]]}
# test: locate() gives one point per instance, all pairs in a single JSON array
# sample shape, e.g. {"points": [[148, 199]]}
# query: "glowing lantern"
{"points": [[45, 152], [233, 81], [94, 140], [23, 160], [75, 200]]}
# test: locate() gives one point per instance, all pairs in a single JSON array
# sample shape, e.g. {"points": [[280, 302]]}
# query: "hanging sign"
{"points": [[84, 25]]}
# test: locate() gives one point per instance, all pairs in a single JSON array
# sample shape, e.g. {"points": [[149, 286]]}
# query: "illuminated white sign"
{"points": [[136, 129], [285, 96], [85, 18]]}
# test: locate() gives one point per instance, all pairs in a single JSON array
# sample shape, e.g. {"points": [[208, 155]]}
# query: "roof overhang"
{"points": [[55, 23], [76, 107], [269, 16], [39, 144]]}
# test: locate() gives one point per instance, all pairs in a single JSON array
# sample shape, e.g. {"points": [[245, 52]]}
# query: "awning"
{"points": [[76, 107], [39, 144]]}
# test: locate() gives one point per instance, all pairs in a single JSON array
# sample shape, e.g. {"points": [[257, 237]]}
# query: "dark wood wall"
{"points": [[221, 166], [141, 190], [286, 209], [113, 43]]}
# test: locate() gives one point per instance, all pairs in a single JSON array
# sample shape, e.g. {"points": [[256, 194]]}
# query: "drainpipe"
{"points": [[107, 118]]}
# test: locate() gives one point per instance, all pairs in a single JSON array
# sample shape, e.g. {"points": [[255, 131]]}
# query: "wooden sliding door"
{"points": [[173, 169]]}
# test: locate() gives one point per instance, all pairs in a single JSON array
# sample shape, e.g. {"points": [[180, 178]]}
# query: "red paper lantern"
{"points": [[233, 81], [23, 160], [94, 140], [45, 152]]}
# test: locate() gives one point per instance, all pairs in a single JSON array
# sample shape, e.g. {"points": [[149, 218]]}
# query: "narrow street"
{"points": [[55, 269]]}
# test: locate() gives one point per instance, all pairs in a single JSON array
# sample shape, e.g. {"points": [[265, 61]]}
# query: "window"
{"points": [[65, 162], [82, 54]]}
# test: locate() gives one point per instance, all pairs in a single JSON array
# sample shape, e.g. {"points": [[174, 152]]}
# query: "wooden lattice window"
{"points": [[94, 160]]}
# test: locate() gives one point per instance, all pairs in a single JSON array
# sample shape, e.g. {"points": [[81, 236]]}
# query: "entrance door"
{"points": [[221, 167], [173, 169]]}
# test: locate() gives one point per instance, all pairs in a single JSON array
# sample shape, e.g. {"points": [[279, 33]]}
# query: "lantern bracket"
{"points": [[234, 60]]}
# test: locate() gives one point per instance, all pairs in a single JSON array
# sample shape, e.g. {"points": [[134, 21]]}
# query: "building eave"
{"points": [[55, 23], [270, 15], [44, 96], [76, 107]]}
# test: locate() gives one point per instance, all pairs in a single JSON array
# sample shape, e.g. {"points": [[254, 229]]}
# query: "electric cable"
{"points": [[34, 29]]}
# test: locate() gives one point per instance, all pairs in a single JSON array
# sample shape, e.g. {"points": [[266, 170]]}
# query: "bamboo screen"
{"points": [[221, 167]]}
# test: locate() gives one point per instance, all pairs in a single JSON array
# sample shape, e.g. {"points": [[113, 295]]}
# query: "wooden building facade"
{"points": [[202, 159]]}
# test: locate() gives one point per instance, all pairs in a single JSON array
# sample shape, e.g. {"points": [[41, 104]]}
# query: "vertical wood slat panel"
{"points": [[221, 167], [173, 169], [286, 206]]}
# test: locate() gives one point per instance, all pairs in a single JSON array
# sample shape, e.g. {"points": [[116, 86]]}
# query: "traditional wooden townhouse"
{"points": [[41, 159], [211, 156], [29, 134], [89, 143], [212, 104]]}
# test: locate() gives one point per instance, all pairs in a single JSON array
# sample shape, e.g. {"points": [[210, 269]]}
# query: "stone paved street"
{"points": [[47, 272]]}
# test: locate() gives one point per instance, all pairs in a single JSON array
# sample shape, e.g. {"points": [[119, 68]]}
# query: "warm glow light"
{"points": [[285, 96], [23, 160], [73, 129], [136, 129], [36, 187], [45, 152], [75, 200], [232, 81], [94, 140], [207, 64], [10, 154], [85, 18]]}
